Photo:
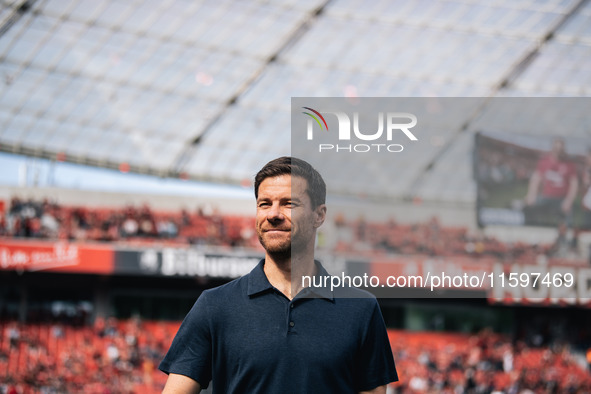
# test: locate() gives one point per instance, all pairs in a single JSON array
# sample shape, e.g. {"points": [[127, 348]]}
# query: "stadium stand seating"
{"points": [[142, 225], [122, 355]]}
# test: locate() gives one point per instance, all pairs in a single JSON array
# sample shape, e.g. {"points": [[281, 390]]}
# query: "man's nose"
{"points": [[275, 213]]}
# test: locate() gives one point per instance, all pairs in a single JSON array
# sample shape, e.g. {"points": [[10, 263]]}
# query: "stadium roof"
{"points": [[202, 89]]}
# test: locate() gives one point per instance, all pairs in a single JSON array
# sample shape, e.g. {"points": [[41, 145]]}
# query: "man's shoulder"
{"points": [[226, 291], [352, 292], [344, 291], [235, 287]]}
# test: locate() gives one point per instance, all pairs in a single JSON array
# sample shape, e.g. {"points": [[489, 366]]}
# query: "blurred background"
{"points": [[130, 132]]}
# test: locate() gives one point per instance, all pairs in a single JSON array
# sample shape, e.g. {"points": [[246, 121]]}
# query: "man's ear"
{"points": [[319, 215]]}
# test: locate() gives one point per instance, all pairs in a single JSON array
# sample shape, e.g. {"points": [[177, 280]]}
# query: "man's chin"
{"points": [[278, 248], [279, 254], [272, 247]]}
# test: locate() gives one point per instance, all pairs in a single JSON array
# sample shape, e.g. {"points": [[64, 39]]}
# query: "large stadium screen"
{"points": [[531, 180]]}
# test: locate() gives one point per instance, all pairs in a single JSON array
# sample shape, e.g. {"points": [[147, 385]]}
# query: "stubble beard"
{"points": [[282, 251], [278, 250]]}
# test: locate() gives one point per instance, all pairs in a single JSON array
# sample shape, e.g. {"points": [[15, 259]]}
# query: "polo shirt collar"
{"points": [[323, 292], [258, 282]]}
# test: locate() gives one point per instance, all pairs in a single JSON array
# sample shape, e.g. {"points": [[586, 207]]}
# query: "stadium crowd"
{"points": [[122, 356], [110, 357], [207, 226], [485, 363], [433, 239], [50, 220]]}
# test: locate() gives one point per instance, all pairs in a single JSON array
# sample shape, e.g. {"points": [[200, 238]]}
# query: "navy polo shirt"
{"points": [[247, 337]]}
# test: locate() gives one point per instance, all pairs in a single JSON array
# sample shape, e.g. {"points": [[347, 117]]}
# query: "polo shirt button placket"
{"points": [[291, 323]]}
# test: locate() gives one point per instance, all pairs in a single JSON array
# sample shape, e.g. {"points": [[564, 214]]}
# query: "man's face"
{"points": [[285, 217], [558, 148]]}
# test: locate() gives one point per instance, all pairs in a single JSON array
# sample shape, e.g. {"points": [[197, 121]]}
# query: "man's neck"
{"points": [[285, 274]]}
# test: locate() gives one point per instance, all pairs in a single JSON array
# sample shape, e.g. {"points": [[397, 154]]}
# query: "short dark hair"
{"points": [[296, 167]]}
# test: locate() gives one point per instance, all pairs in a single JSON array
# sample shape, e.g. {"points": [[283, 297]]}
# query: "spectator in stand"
{"points": [[3, 229], [167, 228], [130, 226], [50, 225], [13, 334], [147, 224], [554, 183], [79, 224], [186, 218]]}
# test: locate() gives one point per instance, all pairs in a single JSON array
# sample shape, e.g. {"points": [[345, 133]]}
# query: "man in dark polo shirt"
{"points": [[264, 332]]}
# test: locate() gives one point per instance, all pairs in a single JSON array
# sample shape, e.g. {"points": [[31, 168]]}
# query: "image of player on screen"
{"points": [[586, 190], [553, 186]]}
